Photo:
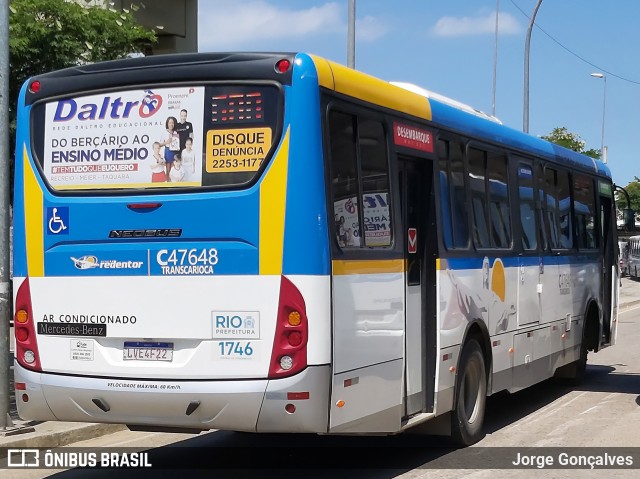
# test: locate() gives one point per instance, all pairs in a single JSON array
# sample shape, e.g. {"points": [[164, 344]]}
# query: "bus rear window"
{"points": [[183, 136]]}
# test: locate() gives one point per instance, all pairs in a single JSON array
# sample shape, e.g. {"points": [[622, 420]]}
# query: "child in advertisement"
{"points": [[177, 171], [189, 161], [158, 174]]}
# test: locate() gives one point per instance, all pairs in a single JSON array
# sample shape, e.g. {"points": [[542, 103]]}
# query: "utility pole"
{"points": [[495, 62], [351, 35], [5, 186], [527, 44]]}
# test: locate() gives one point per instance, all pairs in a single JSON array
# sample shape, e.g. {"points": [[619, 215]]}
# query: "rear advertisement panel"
{"points": [[135, 138]]}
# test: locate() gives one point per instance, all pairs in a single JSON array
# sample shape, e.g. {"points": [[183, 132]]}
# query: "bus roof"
{"points": [[457, 116], [407, 98]]}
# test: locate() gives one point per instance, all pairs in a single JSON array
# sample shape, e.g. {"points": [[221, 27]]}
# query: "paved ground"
{"points": [[55, 434]]}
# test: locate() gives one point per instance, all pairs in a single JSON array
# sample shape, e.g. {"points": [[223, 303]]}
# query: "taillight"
{"points": [[289, 355], [282, 65], [25, 333], [34, 87]]}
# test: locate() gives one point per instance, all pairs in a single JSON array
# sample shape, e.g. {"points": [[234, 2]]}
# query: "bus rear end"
{"points": [[164, 210]]}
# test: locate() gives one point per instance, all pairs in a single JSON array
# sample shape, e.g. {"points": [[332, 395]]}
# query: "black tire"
{"points": [[578, 368], [580, 364], [573, 373], [470, 397]]}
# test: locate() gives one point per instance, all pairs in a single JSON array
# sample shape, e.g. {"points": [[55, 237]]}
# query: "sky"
{"points": [[448, 47]]}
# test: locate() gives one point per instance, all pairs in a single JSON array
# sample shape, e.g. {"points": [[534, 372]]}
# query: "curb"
{"points": [[62, 434], [628, 305]]}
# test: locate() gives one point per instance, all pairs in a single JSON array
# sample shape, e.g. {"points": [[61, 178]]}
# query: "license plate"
{"points": [[147, 351]]}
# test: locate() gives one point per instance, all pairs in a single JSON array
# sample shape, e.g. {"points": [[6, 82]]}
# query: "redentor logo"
{"points": [[110, 108]]}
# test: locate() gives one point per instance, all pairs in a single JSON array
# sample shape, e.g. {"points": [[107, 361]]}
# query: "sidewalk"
{"points": [[55, 434], [46, 433]]}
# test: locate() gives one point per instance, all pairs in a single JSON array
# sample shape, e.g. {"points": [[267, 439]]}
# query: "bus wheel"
{"points": [[581, 364], [574, 373], [470, 397]]}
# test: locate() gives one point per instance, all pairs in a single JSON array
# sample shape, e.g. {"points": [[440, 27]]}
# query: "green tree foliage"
{"points": [[563, 137], [46, 35], [633, 190]]}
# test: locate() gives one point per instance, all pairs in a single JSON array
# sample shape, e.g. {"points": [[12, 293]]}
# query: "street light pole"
{"points": [[351, 35], [495, 62], [5, 184], [527, 44], [603, 156]]}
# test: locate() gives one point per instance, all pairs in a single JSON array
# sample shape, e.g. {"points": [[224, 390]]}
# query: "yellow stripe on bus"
{"points": [[34, 232], [273, 192], [344, 267], [367, 88]]}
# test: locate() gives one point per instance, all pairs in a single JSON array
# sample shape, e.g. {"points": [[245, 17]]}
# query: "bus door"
{"points": [[419, 226], [609, 261]]}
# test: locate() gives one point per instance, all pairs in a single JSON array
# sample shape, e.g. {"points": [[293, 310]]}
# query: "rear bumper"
{"points": [[240, 405]]}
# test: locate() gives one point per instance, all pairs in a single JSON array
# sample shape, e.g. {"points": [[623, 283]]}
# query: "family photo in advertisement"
{"points": [[174, 140]]}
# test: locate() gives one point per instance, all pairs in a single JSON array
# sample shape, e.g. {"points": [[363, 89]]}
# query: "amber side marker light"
{"points": [[21, 316], [294, 318]]}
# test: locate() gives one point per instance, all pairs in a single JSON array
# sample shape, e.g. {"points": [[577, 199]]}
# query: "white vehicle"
{"points": [[623, 257], [633, 261]]}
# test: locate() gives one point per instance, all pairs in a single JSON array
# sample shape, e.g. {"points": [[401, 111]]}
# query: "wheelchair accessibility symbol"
{"points": [[58, 220]]}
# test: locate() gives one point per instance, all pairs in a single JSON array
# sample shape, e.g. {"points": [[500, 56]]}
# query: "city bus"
{"points": [[267, 242]]}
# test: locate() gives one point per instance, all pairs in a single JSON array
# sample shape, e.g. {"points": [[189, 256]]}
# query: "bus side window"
{"points": [[527, 208], [453, 205], [540, 206], [585, 212], [552, 208], [564, 204], [459, 197], [375, 183], [344, 179], [499, 200], [477, 180], [445, 195]]}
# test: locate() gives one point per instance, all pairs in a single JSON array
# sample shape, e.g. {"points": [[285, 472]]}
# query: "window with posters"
{"points": [[140, 138], [359, 169]]}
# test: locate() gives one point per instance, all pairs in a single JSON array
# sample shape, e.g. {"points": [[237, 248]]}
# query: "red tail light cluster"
{"points": [[25, 330], [289, 355]]}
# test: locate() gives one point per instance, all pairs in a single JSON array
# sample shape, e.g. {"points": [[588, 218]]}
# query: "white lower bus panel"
{"points": [[244, 405]]}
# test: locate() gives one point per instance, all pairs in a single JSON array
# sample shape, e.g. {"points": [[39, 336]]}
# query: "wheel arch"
{"points": [[477, 330]]}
